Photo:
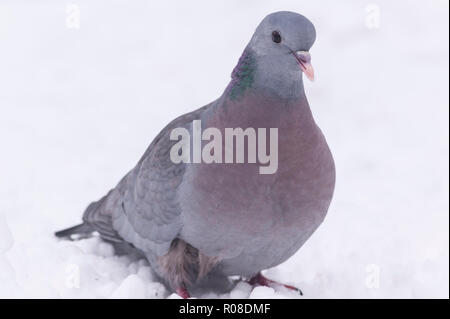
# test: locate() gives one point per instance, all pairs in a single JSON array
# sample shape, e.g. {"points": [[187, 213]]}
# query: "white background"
{"points": [[78, 107]]}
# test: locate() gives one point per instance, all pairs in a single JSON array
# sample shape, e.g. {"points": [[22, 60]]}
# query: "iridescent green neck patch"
{"points": [[242, 76]]}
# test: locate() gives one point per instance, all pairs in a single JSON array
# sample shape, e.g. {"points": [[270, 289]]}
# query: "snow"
{"points": [[79, 107], [241, 290], [7, 275], [6, 239]]}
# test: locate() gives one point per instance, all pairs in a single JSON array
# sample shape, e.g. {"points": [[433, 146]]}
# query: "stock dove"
{"points": [[195, 219]]}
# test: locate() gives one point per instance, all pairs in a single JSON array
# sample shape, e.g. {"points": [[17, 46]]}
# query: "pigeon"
{"points": [[193, 221]]}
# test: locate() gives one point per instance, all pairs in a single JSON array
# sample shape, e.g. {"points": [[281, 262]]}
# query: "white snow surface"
{"points": [[80, 106]]}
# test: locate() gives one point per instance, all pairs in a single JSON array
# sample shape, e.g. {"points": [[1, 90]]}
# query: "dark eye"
{"points": [[276, 37]]}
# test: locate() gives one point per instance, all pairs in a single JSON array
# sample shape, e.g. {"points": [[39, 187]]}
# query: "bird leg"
{"points": [[260, 280], [183, 293]]}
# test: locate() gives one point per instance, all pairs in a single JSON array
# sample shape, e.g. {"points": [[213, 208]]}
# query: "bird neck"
{"points": [[242, 77], [275, 77]]}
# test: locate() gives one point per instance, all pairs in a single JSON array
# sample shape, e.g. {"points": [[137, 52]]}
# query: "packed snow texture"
{"points": [[80, 105]]}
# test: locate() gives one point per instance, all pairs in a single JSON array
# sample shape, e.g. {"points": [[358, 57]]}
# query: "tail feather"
{"points": [[84, 230], [96, 218]]}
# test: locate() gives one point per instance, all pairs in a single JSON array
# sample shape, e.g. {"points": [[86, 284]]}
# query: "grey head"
{"points": [[282, 33], [277, 55]]}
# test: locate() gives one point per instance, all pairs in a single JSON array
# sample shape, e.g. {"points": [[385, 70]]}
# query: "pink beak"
{"points": [[304, 60]]}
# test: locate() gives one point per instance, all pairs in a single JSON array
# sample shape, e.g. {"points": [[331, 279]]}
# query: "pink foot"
{"points": [[183, 293], [260, 280]]}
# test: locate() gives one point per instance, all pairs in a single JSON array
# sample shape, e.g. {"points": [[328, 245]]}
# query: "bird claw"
{"points": [[183, 293], [260, 280]]}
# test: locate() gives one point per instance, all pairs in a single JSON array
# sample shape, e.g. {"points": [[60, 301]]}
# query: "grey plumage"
{"points": [[193, 219]]}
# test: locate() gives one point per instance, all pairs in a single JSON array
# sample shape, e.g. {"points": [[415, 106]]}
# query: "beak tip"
{"points": [[309, 72], [304, 58]]}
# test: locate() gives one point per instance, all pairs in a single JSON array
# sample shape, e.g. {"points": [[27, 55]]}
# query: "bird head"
{"points": [[285, 37]]}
